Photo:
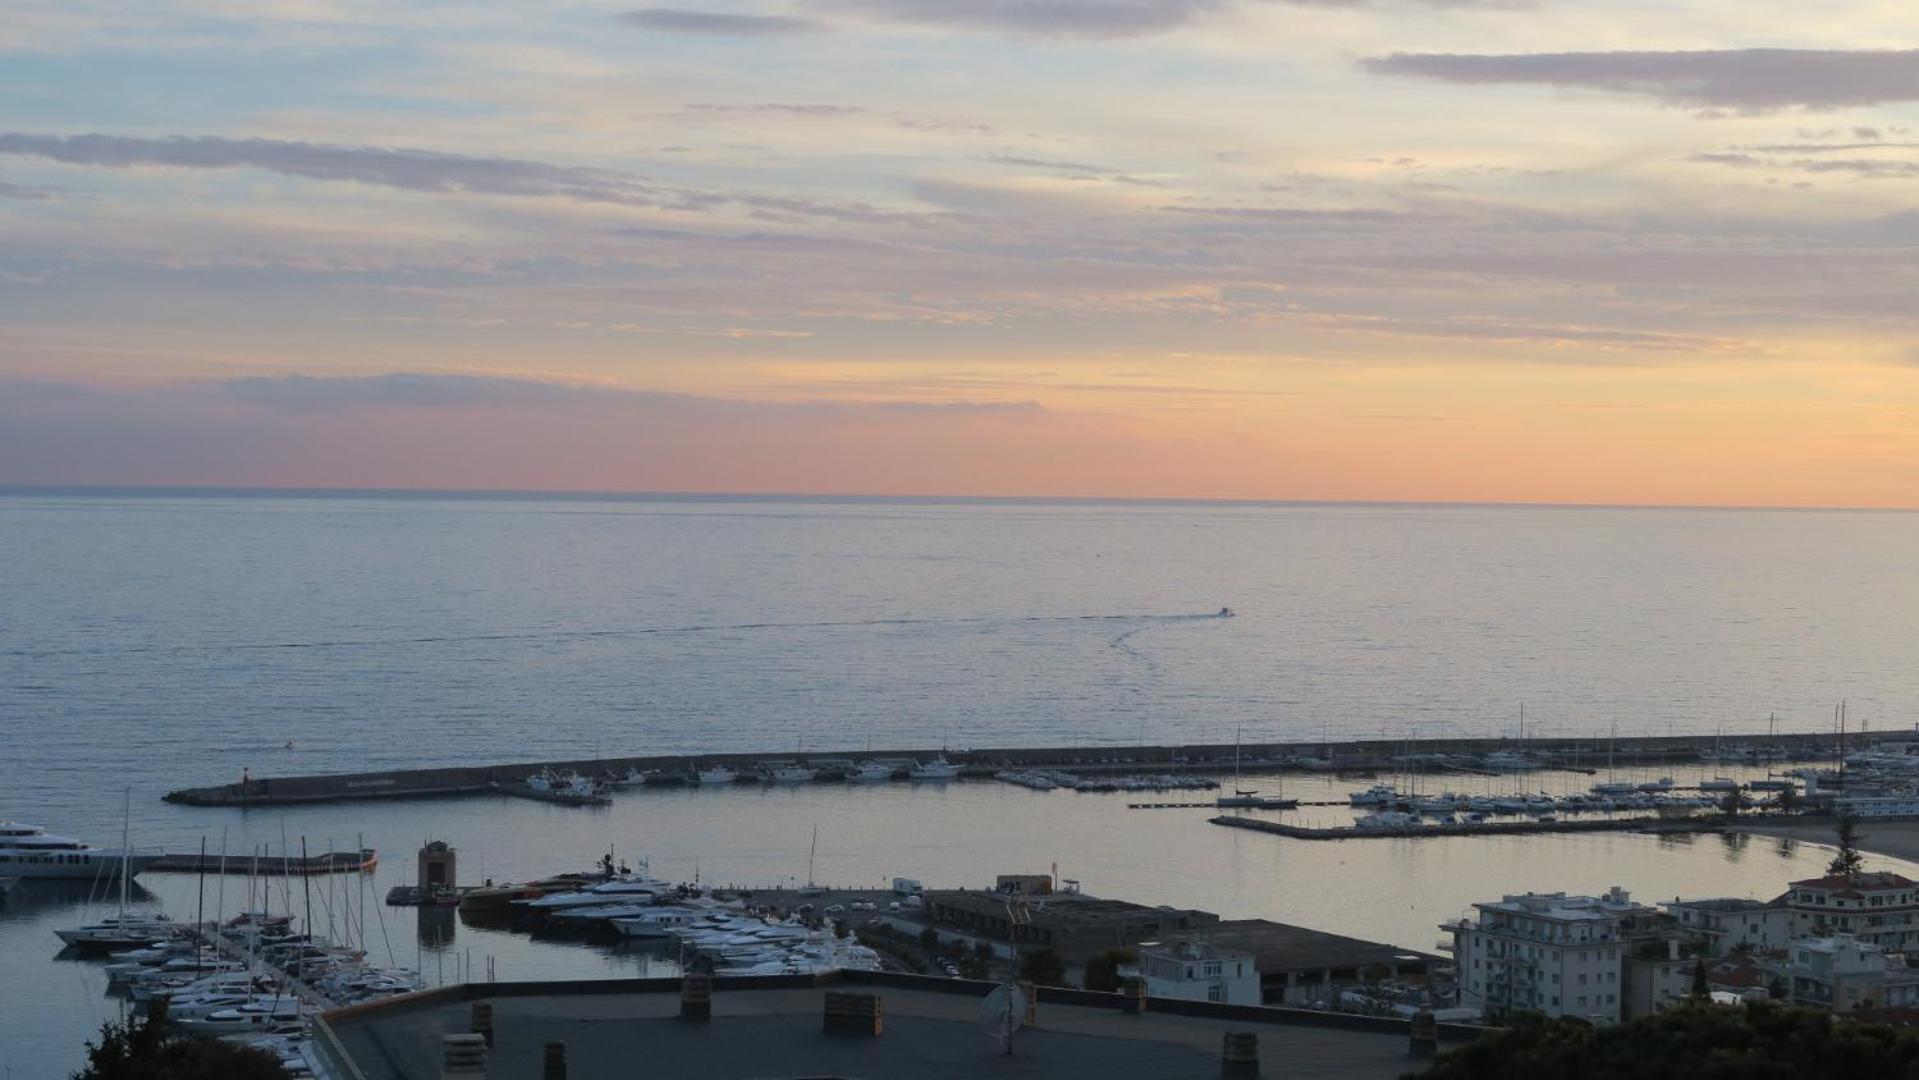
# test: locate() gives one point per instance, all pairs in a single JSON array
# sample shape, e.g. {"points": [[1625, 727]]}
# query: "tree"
{"points": [[1849, 861], [143, 1050], [1694, 1039], [1789, 799], [1701, 986], [1102, 971], [982, 952], [930, 938], [1042, 967], [1735, 801]]}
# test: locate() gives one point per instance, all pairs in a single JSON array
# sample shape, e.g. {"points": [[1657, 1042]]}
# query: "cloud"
{"points": [[20, 191], [777, 107], [427, 430], [1039, 18], [720, 24], [419, 170], [1743, 80], [412, 170]]}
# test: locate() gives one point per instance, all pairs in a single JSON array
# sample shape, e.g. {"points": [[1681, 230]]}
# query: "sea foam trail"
{"points": [[617, 632]]}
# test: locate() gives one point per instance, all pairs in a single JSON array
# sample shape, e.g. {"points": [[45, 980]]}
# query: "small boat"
{"points": [[718, 774], [1664, 783], [937, 769], [1226, 613], [274, 1016], [792, 774], [1719, 783], [871, 772], [1377, 795]]}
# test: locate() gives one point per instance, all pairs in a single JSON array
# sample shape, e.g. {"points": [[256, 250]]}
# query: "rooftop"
{"points": [[1722, 904], [1278, 947], [772, 1027], [1877, 879], [1559, 906]]}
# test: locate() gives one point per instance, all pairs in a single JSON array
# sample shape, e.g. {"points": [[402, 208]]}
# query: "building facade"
{"points": [[1547, 952], [1199, 972], [1879, 908], [1728, 924]]}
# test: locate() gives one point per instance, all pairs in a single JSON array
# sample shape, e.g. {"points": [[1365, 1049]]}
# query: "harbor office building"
{"points": [[1549, 953]]}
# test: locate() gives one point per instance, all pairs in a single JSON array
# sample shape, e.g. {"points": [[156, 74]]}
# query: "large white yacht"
{"points": [[28, 851]]}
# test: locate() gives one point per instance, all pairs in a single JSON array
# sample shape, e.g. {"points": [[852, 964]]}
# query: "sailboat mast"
{"points": [[126, 835]]}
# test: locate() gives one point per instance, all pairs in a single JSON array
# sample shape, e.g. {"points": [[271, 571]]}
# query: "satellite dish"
{"points": [[1002, 1013]]}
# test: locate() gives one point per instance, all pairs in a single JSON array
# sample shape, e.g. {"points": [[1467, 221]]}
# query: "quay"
{"points": [[330, 862], [1213, 759], [1701, 823]]}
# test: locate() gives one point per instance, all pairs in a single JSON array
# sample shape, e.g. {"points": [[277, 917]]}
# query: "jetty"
{"points": [[1700, 823], [331, 862], [1211, 759]]}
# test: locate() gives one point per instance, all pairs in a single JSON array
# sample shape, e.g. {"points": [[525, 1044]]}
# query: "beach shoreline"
{"points": [[1890, 839]]}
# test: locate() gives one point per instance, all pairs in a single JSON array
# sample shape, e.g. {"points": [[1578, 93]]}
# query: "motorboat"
{"points": [[1380, 820], [1511, 761], [792, 774], [273, 1016], [1719, 783], [871, 772], [718, 774], [937, 769], [1664, 783], [1377, 795], [29, 851], [568, 787]]}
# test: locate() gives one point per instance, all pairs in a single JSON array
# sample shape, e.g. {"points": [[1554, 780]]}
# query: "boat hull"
{"points": [[85, 866]]}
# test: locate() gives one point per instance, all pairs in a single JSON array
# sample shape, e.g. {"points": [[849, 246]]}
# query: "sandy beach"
{"points": [[1893, 839]]}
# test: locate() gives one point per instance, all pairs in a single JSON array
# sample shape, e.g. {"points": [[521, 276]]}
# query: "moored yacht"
{"points": [[28, 851], [1377, 795], [792, 774], [937, 769], [871, 772], [718, 774]]}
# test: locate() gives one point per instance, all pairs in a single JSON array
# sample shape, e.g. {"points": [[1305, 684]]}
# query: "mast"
{"points": [[126, 830], [200, 920], [814, 850]]}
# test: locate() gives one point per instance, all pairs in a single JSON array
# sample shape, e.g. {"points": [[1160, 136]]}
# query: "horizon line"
{"points": [[326, 491]]}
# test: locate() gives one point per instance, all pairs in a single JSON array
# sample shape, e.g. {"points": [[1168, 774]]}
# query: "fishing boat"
{"points": [[792, 774], [718, 774]]}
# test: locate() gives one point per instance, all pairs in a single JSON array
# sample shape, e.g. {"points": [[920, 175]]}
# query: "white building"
{"points": [[1199, 972], [1880, 907], [1727, 923], [1842, 973], [1547, 952]]}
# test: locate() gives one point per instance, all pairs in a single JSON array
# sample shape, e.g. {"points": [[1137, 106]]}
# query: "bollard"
{"points": [[1132, 999], [1239, 1056], [696, 997], [1425, 1033], [482, 1024], [462, 1056], [555, 1062]]}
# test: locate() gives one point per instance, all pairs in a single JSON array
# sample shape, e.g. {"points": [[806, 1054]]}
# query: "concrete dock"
{"points": [[1213, 759], [1700, 823], [329, 862]]}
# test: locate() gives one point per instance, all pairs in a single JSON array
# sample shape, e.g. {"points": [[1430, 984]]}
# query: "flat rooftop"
{"points": [[1279, 947], [774, 1029]]}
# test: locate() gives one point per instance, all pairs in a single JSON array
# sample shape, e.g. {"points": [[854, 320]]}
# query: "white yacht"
{"points": [[656, 924], [871, 772], [718, 774], [116, 932], [792, 774], [272, 1016], [28, 851], [937, 769], [1377, 795]]}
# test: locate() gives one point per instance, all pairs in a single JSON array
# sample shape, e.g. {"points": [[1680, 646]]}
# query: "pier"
{"points": [[1702, 823], [1213, 759], [330, 862]]}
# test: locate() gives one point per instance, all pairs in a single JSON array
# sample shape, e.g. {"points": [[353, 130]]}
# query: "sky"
{"points": [[1614, 251]]}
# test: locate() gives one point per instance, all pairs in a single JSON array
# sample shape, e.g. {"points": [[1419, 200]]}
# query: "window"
{"points": [[1213, 993]]}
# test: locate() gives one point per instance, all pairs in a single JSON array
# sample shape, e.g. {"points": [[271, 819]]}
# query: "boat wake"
{"points": [[641, 631]]}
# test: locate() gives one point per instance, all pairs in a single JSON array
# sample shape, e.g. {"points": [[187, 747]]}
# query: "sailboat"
{"points": [[122, 931], [1245, 799]]}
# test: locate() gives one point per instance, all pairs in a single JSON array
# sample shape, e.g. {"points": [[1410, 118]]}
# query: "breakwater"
{"points": [[1700, 823], [1361, 757]]}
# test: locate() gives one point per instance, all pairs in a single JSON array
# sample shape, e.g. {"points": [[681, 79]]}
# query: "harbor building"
{"points": [[1880, 908], [1549, 953], [866, 1024], [1731, 924], [1198, 971]]}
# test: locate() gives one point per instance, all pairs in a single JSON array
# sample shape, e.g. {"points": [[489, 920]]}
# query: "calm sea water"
{"points": [[151, 642]]}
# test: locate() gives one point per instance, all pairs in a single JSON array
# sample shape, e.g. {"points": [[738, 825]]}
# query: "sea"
{"points": [[151, 640]]}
